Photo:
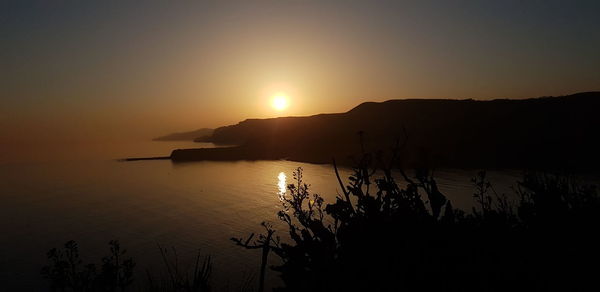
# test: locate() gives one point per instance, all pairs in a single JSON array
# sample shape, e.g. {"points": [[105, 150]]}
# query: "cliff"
{"points": [[439, 132]]}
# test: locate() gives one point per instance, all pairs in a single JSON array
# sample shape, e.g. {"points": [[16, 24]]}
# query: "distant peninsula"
{"points": [[501, 133], [186, 136]]}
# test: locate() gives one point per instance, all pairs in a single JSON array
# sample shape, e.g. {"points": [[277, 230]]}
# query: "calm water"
{"points": [[189, 206]]}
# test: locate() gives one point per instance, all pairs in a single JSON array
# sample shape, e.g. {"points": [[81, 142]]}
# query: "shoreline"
{"points": [[145, 158], [246, 153]]}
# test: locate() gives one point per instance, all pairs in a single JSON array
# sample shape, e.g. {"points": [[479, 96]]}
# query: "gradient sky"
{"points": [[110, 69]]}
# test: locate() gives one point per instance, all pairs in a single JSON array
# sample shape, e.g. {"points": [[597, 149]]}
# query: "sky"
{"points": [[109, 70]]}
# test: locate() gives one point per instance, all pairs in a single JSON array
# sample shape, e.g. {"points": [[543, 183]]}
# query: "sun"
{"points": [[280, 102]]}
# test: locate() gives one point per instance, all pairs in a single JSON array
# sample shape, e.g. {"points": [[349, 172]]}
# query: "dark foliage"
{"points": [[66, 271], [387, 235], [178, 279]]}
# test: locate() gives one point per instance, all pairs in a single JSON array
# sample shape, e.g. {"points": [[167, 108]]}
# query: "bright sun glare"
{"points": [[280, 102]]}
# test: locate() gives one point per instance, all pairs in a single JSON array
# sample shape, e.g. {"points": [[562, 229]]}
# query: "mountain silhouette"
{"points": [[501, 133], [186, 136]]}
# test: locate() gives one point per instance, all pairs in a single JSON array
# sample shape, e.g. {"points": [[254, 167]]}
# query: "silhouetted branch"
{"points": [[346, 193]]}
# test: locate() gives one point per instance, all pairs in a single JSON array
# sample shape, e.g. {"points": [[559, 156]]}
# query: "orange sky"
{"points": [[113, 70]]}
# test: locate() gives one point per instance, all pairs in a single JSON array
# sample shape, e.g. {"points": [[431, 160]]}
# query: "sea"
{"points": [[188, 208]]}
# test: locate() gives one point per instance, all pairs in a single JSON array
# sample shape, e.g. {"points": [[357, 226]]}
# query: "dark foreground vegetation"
{"points": [[390, 230], [384, 234], [67, 272]]}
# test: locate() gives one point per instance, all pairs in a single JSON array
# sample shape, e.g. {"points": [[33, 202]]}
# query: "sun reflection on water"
{"points": [[281, 183]]}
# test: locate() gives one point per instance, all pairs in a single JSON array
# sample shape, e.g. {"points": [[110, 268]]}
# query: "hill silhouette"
{"points": [[186, 136], [535, 132]]}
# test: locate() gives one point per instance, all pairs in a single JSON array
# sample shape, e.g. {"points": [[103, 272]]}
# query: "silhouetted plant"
{"points": [[66, 272], [391, 239], [178, 279], [266, 243], [117, 271], [496, 209], [552, 198]]}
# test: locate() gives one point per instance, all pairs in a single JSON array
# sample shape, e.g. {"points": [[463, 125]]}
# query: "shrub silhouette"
{"points": [[178, 279], [66, 271], [387, 235]]}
